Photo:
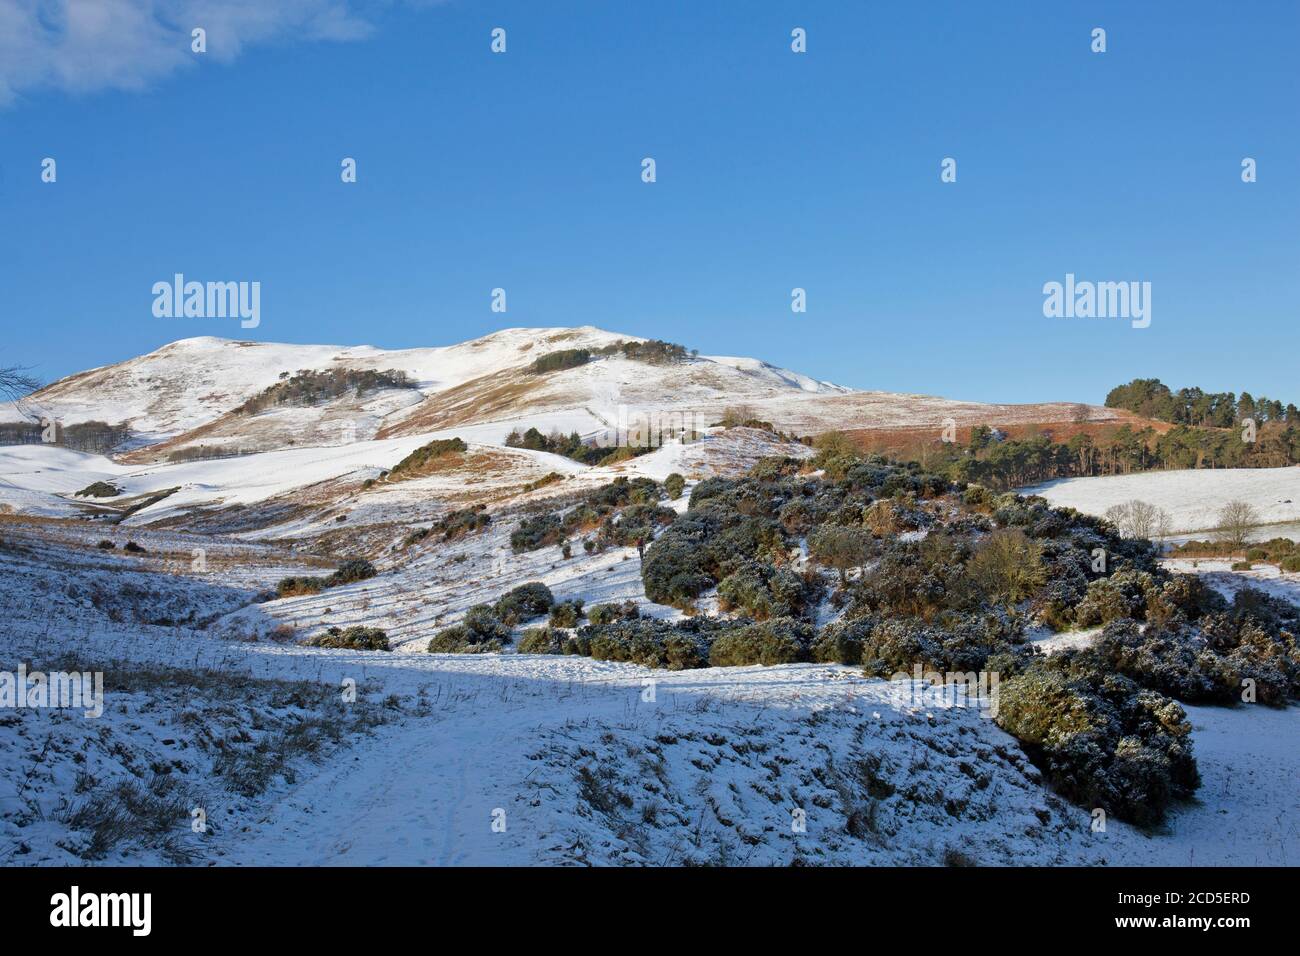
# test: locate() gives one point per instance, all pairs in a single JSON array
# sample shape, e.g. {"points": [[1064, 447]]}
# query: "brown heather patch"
{"points": [[909, 441], [477, 400], [479, 466]]}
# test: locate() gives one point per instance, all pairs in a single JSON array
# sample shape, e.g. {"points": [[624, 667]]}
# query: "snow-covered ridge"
{"points": [[194, 381]]}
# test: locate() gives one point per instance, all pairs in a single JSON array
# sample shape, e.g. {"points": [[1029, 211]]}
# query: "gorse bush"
{"points": [[546, 640], [651, 643], [566, 614], [356, 569], [454, 524], [313, 387], [481, 631], [524, 602], [781, 641], [356, 638], [623, 512], [424, 455], [1101, 739], [554, 361], [99, 489], [608, 613]]}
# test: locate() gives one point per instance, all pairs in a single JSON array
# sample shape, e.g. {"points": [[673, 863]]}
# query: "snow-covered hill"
{"points": [[185, 394]]}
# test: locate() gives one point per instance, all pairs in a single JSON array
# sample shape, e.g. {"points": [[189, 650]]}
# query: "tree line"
{"points": [[1151, 398]]}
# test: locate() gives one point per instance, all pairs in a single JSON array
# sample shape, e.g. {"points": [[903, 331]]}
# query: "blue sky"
{"points": [[775, 170]]}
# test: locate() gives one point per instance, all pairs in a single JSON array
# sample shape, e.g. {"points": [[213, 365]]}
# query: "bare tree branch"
{"points": [[15, 383]]}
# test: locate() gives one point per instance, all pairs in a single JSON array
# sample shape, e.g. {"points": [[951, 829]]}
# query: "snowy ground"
{"points": [[1192, 497], [583, 761]]}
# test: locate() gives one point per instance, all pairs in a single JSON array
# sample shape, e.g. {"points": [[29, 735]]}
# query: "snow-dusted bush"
{"points": [[298, 585], [780, 641], [635, 525], [1123, 594], [356, 638], [566, 613], [760, 591], [608, 613], [357, 569], [840, 642], [481, 631], [547, 640], [99, 489], [539, 640], [1100, 739], [650, 643], [674, 485], [537, 531], [523, 602]]}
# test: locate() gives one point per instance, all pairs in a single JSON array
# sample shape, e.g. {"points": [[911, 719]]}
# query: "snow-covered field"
{"points": [[574, 760], [1193, 497]]}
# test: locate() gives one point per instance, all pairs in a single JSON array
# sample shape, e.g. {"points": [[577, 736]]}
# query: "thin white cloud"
{"points": [[81, 46]]}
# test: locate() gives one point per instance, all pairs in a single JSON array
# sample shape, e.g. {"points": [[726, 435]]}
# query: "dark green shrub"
{"points": [[357, 569], [294, 586], [461, 522], [1100, 739], [99, 489], [1290, 563], [539, 640], [554, 361], [524, 602], [439, 448], [356, 638], [609, 613], [1123, 594], [106, 545], [566, 613], [459, 639], [133, 548], [535, 532], [674, 485], [781, 641], [841, 642], [481, 631], [649, 643]]}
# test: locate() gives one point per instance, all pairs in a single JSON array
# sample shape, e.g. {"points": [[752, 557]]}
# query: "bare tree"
{"points": [[1164, 525], [1118, 516], [15, 383], [1140, 519], [1236, 521]]}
